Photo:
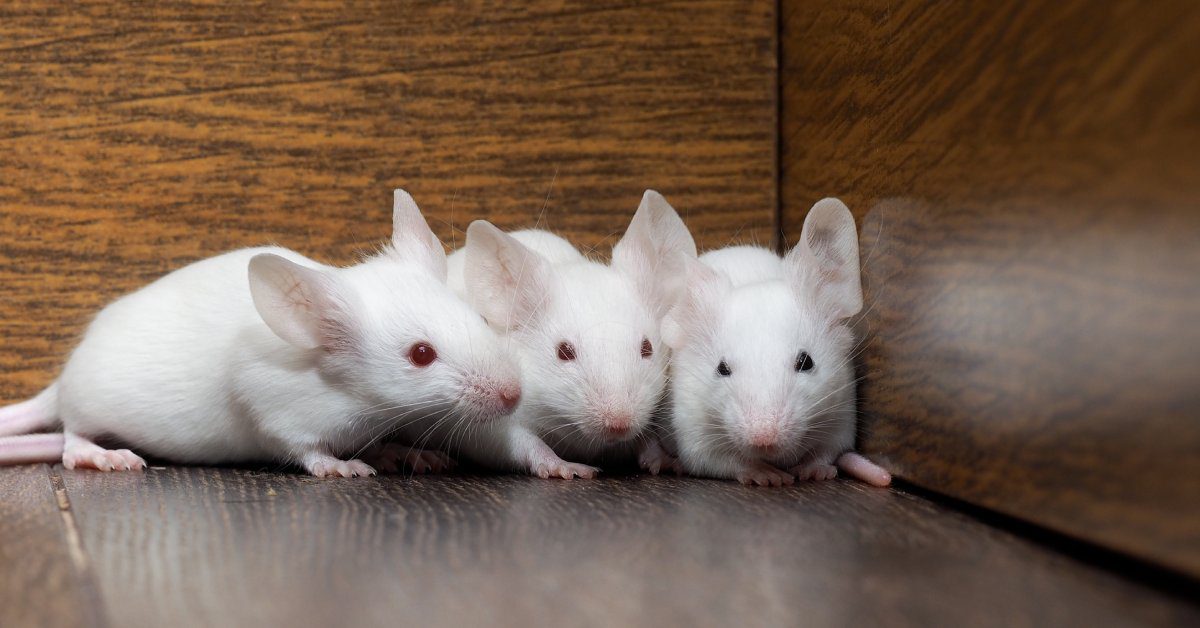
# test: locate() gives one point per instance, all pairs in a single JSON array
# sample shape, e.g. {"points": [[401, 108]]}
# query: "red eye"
{"points": [[647, 348], [422, 354], [566, 351]]}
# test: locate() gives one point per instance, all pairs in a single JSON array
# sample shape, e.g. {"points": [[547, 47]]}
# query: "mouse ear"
{"points": [[412, 239], [694, 315], [823, 266], [647, 251], [293, 300], [506, 281]]}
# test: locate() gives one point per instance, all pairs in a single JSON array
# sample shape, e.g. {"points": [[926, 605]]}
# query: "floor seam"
{"points": [[79, 557]]}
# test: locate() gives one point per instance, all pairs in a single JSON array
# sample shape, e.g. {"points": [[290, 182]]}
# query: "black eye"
{"points": [[723, 369], [647, 348], [804, 362], [566, 351]]}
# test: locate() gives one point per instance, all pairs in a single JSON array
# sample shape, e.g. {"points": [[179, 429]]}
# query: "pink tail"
{"points": [[31, 448], [856, 466], [35, 415]]}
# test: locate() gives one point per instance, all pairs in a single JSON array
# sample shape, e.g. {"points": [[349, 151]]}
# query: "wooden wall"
{"points": [[135, 138], [1027, 180], [1026, 177]]}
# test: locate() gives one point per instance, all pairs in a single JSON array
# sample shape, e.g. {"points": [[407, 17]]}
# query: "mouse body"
{"points": [[763, 385], [262, 354], [586, 333]]}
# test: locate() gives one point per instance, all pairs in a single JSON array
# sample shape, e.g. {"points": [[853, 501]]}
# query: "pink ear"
{"points": [[292, 300], [696, 311], [823, 267], [647, 251], [412, 239], [506, 281]]}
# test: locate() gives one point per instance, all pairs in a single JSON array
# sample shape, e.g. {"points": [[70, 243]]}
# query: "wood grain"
{"points": [[194, 546], [135, 139], [1027, 176], [43, 582]]}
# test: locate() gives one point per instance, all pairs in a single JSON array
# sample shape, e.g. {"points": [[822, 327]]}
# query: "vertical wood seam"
{"points": [[778, 237], [79, 558]]}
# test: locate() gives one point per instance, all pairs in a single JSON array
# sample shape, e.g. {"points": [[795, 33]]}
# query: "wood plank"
{"points": [[133, 141], [1027, 177], [229, 547], [44, 582]]}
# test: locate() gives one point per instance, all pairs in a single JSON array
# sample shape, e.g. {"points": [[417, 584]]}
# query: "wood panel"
{"points": [[1027, 175], [193, 546], [45, 580], [134, 139]]}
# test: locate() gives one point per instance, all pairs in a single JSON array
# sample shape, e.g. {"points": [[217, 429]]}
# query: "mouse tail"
{"points": [[856, 466], [31, 448], [34, 415]]}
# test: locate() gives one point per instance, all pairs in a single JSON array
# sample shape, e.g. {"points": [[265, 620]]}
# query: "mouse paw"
{"points": [[814, 471], [391, 456], [80, 453], [763, 474], [654, 459], [325, 466], [104, 460], [558, 468]]}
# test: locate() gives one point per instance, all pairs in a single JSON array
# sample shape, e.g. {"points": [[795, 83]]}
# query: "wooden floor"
{"points": [[206, 547]]}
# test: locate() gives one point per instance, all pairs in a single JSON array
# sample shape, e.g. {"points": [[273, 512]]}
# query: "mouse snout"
{"points": [[763, 434], [495, 397], [510, 396], [765, 440], [617, 424]]}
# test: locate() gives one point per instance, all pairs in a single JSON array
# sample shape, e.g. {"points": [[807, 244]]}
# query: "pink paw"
{"points": [[815, 472], [655, 460], [102, 459], [763, 474], [389, 457], [334, 468], [564, 470]]}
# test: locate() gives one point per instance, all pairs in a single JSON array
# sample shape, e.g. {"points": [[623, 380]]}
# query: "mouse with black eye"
{"points": [[762, 374]]}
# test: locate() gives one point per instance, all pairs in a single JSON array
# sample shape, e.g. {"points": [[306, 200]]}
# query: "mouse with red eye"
{"points": [[762, 376], [263, 355], [586, 335]]}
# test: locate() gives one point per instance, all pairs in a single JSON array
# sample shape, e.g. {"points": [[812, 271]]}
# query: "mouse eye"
{"points": [[647, 348], [566, 351], [723, 369], [422, 354], [804, 362]]}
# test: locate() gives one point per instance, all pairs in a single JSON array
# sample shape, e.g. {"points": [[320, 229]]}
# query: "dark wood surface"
{"points": [[44, 575], [1027, 178], [135, 139], [196, 546]]}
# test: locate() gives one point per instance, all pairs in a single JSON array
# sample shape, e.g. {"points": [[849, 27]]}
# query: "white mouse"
{"points": [[264, 355], [586, 333], [763, 385]]}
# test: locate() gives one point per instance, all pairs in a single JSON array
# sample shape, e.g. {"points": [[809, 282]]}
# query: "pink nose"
{"points": [[617, 423], [764, 440], [510, 397]]}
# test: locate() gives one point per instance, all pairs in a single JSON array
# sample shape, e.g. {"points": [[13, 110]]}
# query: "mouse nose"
{"points": [[764, 440], [509, 397], [617, 424]]}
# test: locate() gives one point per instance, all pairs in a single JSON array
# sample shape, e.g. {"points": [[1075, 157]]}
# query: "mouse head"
{"points": [[769, 361], [389, 329], [588, 333]]}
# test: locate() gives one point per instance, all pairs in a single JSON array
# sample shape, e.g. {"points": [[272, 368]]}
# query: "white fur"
{"points": [[304, 359], [542, 291], [757, 312]]}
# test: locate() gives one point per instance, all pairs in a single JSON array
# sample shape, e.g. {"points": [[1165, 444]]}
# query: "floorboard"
{"points": [[231, 547], [42, 581]]}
